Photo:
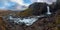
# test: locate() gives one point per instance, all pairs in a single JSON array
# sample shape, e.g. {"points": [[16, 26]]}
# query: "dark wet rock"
{"points": [[55, 6], [38, 8], [58, 4]]}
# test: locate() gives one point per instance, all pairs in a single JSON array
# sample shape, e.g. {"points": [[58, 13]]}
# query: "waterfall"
{"points": [[48, 10]]}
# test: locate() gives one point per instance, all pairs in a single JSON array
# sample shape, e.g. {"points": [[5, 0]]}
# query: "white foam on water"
{"points": [[28, 21]]}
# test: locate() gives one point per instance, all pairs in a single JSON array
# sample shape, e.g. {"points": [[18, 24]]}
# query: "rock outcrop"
{"points": [[38, 8]]}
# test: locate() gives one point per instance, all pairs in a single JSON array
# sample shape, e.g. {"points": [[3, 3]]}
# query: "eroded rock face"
{"points": [[55, 6], [58, 4], [38, 8], [41, 8]]}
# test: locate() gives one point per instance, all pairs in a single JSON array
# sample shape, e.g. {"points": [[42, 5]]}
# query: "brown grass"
{"points": [[38, 25]]}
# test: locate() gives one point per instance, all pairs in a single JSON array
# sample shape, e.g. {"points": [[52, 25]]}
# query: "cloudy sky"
{"points": [[28, 2], [10, 3]]}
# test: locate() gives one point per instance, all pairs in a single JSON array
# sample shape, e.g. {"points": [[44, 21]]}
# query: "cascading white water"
{"points": [[48, 10], [27, 21]]}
